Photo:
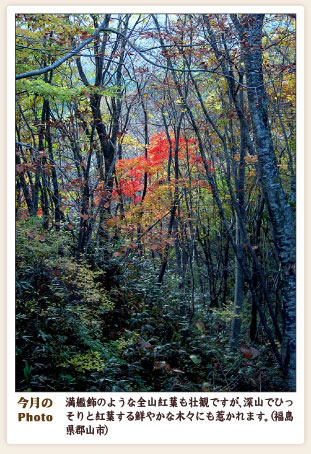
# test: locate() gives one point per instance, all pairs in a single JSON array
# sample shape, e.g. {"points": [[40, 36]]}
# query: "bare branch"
{"points": [[65, 57]]}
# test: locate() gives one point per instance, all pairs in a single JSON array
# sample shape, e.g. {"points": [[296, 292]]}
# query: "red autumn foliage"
{"points": [[131, 171]]}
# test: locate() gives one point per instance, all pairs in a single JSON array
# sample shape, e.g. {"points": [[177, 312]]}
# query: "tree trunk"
{"points": [[281, 214]]}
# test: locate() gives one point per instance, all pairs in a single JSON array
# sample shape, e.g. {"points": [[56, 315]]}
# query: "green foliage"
{"points": [[60, 303], [81, 363], [27, 371], [63, 94], [72, 334], [226, 314]]}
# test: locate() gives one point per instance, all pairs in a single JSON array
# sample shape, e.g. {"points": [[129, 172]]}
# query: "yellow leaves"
{"points": [[251, 173], [250, 159], [89, 362], [150, 115], [159, 197], [131, 142]]}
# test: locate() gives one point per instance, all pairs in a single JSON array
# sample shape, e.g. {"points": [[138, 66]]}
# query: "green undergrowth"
{"points": [[77, 332]]}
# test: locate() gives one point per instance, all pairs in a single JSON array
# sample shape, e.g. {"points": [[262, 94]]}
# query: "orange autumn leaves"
{"points": [[133, 173]]}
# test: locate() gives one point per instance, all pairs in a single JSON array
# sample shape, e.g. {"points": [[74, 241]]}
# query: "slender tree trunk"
{"points": [[238, 288], [239, 274]]}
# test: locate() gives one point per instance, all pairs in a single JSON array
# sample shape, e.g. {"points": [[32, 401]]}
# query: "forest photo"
{"points": [[155, 202]]}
